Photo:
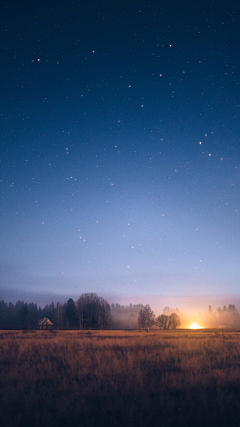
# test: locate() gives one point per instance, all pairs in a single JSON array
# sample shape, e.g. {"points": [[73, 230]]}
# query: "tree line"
{"points": [[226, 316], [93, 312], [89, 312]]}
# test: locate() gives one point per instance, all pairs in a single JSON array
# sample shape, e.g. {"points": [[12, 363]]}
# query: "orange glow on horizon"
{"points": [[195, 326]]}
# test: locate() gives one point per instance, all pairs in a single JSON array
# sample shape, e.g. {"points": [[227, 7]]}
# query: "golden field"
{"points": [[119, 378]]}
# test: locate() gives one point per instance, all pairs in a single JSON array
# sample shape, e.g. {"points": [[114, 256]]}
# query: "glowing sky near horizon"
{"points": [[195, 325], [120, 162]]}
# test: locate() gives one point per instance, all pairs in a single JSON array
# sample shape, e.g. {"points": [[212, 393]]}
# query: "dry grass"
{"points": [[119, 378]]}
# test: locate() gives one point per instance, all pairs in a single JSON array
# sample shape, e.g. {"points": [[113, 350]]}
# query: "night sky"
{"points": [[120, 149]]}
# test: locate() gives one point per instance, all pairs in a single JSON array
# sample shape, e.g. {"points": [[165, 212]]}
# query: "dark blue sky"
{"points": [[120, 149]]}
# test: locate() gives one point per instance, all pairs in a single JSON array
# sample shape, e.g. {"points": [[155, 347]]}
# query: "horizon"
{"points": [[190, 305]]}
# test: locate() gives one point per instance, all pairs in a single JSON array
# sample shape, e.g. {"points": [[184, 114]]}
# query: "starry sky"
{"points": [[120, 149]]}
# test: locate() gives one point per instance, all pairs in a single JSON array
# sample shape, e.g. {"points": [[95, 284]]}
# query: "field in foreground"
{"points": [[119, 378]]}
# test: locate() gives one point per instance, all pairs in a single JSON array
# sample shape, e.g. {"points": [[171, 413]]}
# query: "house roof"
{"points": [[45, 321]]}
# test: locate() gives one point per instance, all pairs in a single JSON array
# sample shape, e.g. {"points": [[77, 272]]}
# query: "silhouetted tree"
{"points": [[231, 308], [162, 321], [4, 315], [174, 321], [48, 311], [59, 320], [168, 322], [167, 310], [71, 313], [22, 317], [93, 311], [210, 309], [32, 315], [146, 317]]}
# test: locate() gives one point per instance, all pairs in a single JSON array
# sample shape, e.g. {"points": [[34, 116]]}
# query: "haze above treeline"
{"points": [[23, 315]]}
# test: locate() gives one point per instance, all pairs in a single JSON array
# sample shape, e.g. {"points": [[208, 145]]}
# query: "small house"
{"points": [[44, 323]]}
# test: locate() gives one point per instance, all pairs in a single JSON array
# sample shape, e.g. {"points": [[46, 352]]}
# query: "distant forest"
{"points": [[93, 312], [89, 312]]}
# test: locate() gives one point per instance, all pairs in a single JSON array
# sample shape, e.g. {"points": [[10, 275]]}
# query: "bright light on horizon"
{"points": [[195, 326]]}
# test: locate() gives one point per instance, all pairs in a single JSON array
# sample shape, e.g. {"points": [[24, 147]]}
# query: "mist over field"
{"points": [[187, 303], [208, 311]]}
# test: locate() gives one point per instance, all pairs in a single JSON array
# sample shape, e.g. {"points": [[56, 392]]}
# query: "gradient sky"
{"points": [[120, 149]]}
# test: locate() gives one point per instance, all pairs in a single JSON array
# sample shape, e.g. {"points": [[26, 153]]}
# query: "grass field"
{"points": [[119, 378]]}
